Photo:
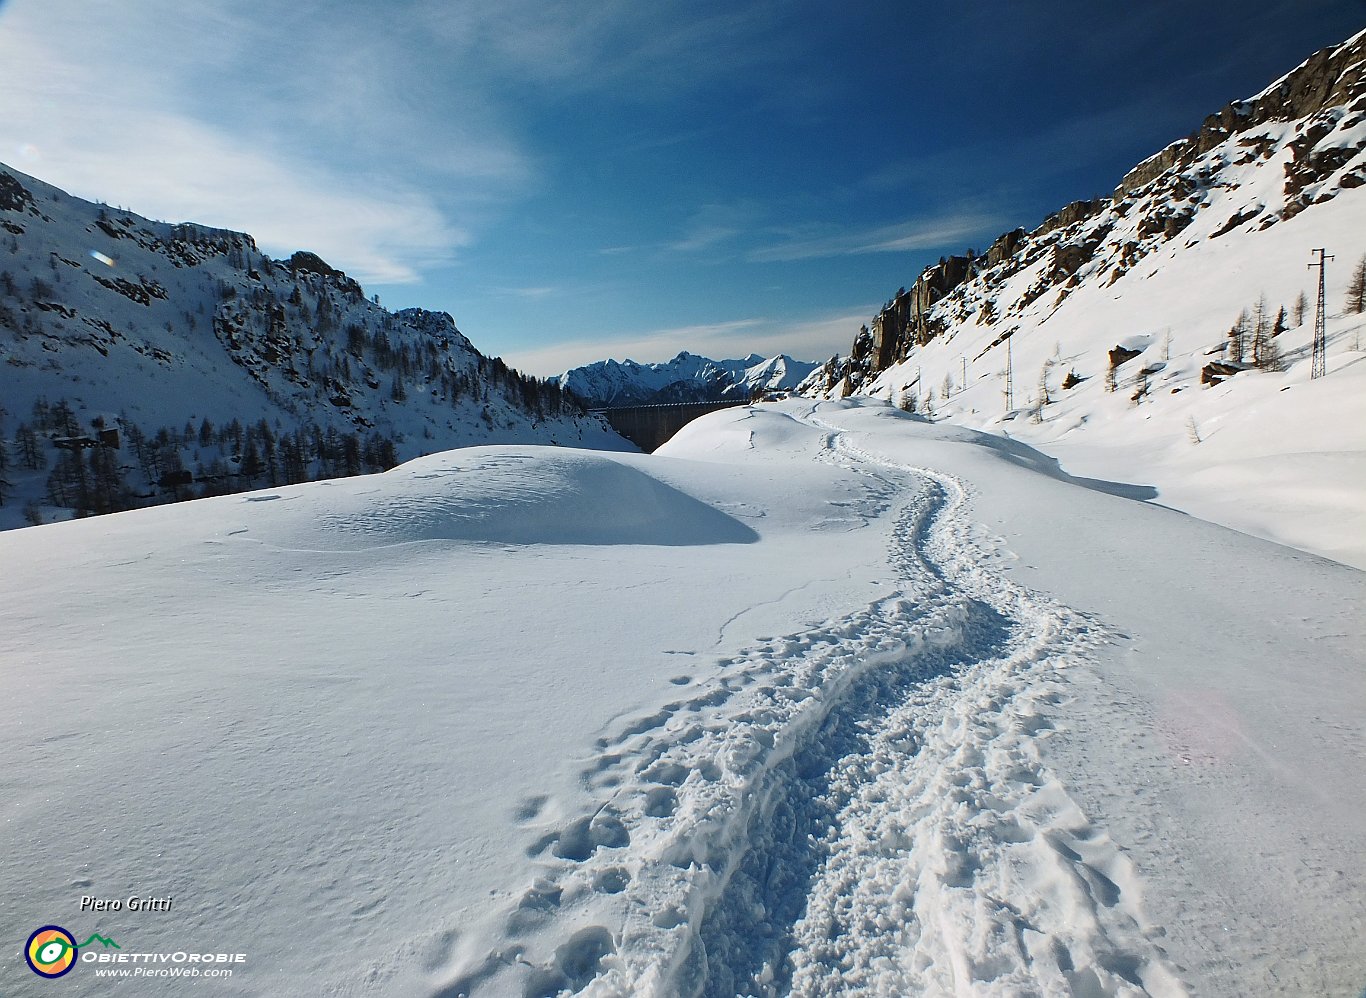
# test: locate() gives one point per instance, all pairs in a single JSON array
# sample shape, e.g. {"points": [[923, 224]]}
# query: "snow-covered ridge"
{"points": [[686, 378], [1164, 333], [137, 323]]}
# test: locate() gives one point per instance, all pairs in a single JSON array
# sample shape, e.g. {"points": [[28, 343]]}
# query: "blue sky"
{"points": [[613, 178]]}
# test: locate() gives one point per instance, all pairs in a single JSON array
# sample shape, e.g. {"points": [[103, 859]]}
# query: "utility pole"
{"points": [[964, 382], [1320, 366], [1010, 381]]}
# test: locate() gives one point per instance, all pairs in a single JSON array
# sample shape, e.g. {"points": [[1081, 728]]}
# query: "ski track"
{"points": [[859, 808]]}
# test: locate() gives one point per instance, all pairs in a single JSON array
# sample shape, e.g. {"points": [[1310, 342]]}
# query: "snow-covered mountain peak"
{"points": [[687, 378]]}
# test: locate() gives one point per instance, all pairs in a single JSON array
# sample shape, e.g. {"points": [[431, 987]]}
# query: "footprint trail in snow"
{"points": [[859, 808]]}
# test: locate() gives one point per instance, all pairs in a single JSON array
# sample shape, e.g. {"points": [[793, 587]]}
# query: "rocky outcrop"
{"points": [[14, 196], [1334, 77], [1077, 211], [304, 262], [1004, 247], [905, 320]]}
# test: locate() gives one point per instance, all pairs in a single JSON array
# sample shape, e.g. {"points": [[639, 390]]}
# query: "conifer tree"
{"points": [[1261, 331], [1237, 338], [1356, 289], [29, 449], [4, 465]]}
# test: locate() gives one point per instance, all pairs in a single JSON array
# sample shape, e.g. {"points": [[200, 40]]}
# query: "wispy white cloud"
{"points": [[703, 237], [714, 225], [148, 105], [819, 242], [530, 292], [621, 46]]}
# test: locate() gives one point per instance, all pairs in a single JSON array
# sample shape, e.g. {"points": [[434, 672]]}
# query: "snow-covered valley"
{"points": [[822, 698]]}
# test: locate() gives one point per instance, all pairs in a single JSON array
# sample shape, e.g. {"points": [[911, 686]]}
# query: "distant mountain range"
{"points": [[686, 378]]}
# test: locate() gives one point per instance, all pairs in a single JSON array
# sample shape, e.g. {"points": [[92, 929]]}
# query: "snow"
{"points": [[821, 698], [686, 377], [1273, 453], [204, 326]]}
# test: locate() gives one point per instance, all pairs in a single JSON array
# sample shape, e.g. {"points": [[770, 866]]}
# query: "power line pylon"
{"points": [[1320, 365], [1010, 380]]}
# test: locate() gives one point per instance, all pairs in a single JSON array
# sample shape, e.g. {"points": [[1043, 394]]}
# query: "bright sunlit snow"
{"points": [[820, 694]]}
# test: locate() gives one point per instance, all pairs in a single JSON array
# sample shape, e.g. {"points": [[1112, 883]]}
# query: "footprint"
{"points": [[537, 904], [668, 773], [645, 724], [580, 839], [612, 880], [529, 808], [436, 951], [1103, 889], [1063, 849], [660, 802], [575, 965], [668, 917]]}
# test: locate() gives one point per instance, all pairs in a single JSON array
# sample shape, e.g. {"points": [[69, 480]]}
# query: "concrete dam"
{"points": [[649, 426]]}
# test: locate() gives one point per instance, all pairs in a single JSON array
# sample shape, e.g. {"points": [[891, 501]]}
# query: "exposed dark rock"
{"points": [[1004, 247], [310, 263], [1216, 371], [1238, 219], [1077, 211], [1122, 355], [14, 196]]}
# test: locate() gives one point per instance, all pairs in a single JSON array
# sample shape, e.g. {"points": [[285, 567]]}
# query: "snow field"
{"points": [[1215, 732], [821, 699], [856, 808]]}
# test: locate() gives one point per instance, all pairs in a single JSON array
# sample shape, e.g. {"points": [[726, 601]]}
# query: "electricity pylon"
{"points": [[1320, 365]]}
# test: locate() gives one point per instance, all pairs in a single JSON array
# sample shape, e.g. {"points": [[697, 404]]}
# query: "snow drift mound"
{"points": [[508, 495]]}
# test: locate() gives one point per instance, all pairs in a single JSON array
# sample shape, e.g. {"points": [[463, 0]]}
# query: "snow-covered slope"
{"points": [[1111, 322], [686, 378], [937, 720], [152, 325]]}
